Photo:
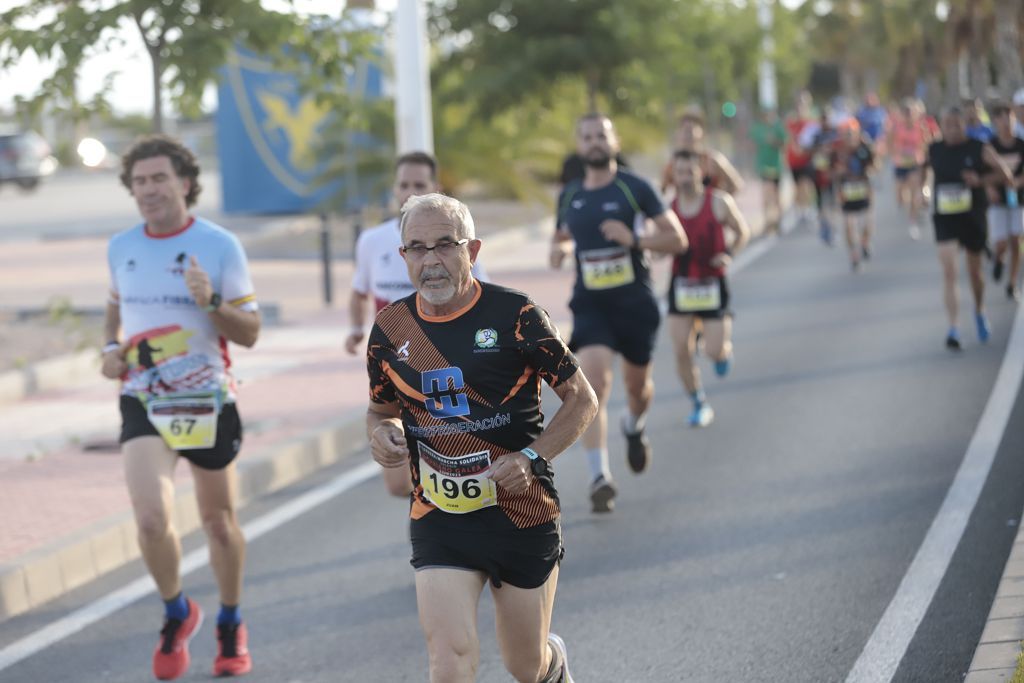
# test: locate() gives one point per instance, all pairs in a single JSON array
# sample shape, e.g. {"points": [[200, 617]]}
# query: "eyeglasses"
{"points": [[444, 249]]}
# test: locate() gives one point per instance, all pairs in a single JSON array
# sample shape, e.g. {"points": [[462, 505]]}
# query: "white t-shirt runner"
{"points": [[174, 346], [380, 270]]}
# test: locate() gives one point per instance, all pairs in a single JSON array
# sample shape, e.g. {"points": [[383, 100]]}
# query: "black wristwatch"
{"points": [[538, 465], [215, 301]]}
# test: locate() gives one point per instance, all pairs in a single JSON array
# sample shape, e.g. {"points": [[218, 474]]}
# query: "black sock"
{"points": [[554, 674]]}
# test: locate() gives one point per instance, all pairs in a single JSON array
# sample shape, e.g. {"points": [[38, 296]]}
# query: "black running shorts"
{"points": [[969, 229], [487, 541], [803, 172], [630, 331], [719, 313], [135, 423]]}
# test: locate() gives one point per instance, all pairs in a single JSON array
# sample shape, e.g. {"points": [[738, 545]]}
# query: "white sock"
{"points": [[597, 460], [634, 423]]}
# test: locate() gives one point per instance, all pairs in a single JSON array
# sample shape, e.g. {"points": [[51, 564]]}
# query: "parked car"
{"points": [[25, 159]]}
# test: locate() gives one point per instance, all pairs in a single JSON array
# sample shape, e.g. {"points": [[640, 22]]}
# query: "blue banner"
{"points": [[268, 133]]}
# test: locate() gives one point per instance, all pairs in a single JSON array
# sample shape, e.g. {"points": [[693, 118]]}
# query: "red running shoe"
{"points": [[232, 650], [171, 660]]}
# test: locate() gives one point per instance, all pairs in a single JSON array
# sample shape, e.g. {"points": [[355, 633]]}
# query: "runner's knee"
{"points": [[453, 657], [153, 523], [526, 667], [220, 526]]}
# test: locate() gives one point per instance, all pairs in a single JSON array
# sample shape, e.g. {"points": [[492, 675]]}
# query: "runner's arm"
{"points": [[357, 320], [386, 434], [114, 364], [561, 246], [578, 409], [733, 221], [668, 237], [989, 156], [236, 325], [732, 181]]}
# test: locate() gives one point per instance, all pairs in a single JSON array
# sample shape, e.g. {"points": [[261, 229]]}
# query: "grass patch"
{"points": [[1018, 675]]}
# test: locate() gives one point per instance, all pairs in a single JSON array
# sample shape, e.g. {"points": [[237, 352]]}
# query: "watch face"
{"points": [[539, 467]]}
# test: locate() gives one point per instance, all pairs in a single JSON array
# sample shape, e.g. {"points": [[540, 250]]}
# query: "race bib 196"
{"points": [[694, 294], [606, 268], [185, 421], [854, 190], [456, 484], [952, 198]]}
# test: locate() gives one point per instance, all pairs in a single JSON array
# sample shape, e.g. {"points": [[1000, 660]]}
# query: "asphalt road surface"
{"points": [[763, 548]]}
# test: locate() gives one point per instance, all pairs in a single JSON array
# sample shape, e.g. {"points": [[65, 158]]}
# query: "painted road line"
{"points": [[112, 602], [888, 644]]}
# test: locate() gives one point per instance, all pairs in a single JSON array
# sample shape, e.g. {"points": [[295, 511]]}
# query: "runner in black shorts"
{"points": [[959, 203], [179, 292], [613, 303], [455, 373], [854, 162], [135, 423], [698, 297]]}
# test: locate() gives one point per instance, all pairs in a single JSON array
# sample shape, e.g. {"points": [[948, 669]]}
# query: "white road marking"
{"points": [[112, 602], [888, 644]]}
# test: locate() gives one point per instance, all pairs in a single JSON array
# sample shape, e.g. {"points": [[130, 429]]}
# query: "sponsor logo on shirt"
{"points": [[486, 338], [610, 206], [578, 203], [179, 265]]}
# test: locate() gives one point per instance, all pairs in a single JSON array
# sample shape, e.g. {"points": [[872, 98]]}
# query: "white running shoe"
{"points": [[559, 645]]}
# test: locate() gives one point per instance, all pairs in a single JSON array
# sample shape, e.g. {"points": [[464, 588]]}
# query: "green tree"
{"points": [[187, 41], [513, 49]]}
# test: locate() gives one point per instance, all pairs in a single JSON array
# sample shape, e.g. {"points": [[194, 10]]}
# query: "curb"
{"points": [[59, 372], [998, 650], [49, 572]]}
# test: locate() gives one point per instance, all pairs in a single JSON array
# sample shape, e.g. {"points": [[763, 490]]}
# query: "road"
{"points": [[763, 548]]}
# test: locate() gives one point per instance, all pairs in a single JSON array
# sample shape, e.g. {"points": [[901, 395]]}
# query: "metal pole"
{"points": [[325, 257], [767, 92], [412, 79]]}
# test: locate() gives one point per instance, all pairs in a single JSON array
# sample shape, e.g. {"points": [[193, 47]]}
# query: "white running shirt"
{"points": [[380, 270], [174, 346]]}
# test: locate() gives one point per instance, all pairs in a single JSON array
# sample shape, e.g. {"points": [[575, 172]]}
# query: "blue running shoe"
{"points": [[702, 415], [723, 366], [983, 329], [825, 231]]}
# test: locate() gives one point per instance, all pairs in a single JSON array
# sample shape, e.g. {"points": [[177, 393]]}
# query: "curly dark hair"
{"points": [[159, 145]]}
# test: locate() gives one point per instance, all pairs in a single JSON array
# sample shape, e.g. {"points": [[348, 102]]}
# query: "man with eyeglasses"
{"points": [[455, 374], [615, 310], [380, 273]]}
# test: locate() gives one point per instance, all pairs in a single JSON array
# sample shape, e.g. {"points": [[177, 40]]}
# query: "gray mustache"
{"points": [[434, 272]]}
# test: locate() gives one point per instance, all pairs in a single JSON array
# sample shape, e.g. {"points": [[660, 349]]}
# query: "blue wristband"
{"points": [[530, 453]]}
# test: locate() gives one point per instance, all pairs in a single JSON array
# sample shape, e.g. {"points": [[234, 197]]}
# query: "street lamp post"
{"points": [[767, 91], [412, 79]]}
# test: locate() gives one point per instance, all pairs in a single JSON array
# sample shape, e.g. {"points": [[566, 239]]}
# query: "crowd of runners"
{"points": [[455, 362]]}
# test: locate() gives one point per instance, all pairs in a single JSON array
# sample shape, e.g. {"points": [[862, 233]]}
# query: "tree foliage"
{"points": [[187, 42], [512, 76]]}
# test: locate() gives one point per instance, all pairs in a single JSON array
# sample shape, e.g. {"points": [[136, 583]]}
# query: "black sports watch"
{"points": [[538, 465], [215, 301]]}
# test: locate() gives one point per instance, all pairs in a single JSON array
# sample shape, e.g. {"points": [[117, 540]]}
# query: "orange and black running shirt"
{"points": [[468, 385]]}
